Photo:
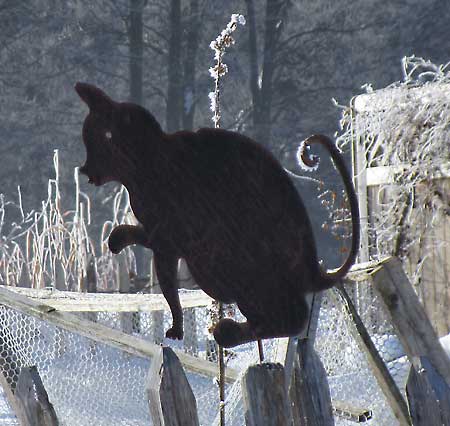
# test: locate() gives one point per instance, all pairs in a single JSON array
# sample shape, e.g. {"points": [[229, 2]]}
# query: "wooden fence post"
{"points": [[123, 279], [428, 395], [376, 363], [171, 400], [408, 316], [90, 284], [36, 409], [286, 347], [265, 396], [185, 280], [309, 391], [91, 275]]}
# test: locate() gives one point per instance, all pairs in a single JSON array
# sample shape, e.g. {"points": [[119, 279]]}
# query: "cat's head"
{"points": [[97, 134], [115, 135]]}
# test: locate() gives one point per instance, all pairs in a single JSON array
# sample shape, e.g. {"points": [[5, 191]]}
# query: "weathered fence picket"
{"points": [[186, 281], [90, 284], [376, 363], [428, 395], [91, 275], [265, 396], [309, 391], [171, 400], [408, 316], [34, 407]]}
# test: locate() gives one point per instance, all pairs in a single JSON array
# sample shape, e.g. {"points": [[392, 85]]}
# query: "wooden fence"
{"points": [[375, 186], [292, 391]]}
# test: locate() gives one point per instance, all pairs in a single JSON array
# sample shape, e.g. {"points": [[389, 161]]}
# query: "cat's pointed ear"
{"points": [[95, 98]]}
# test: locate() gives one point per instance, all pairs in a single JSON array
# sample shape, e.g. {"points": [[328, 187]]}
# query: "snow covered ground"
{"points": [[7, 416], [64, 375]]}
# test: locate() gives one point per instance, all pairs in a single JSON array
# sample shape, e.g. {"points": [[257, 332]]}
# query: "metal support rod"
{"points": [[260, 350], [221, 376]]}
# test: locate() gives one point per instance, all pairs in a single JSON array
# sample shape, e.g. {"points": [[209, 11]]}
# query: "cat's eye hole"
{"points": [[108, 135]]}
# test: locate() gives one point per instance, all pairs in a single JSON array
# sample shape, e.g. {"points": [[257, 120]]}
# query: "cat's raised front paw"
{"points": [[175, 333], [116, 240]]}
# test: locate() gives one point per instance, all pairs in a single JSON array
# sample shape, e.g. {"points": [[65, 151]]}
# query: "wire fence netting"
{"points": [[91, 383]]}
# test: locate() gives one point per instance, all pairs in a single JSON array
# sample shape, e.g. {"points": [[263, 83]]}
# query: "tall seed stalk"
{"points": [[219, 45]]}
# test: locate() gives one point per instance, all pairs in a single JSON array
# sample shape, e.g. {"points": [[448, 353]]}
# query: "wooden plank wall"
{"points": [[433, 288]]}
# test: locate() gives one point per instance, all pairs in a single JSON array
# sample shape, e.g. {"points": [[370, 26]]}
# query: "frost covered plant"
{"points": [[404, 131], [46, 246], [219, 45], [50, 247]]}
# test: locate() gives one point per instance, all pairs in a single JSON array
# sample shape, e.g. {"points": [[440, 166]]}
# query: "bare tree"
{"points": [[174, 106], [192, 32], [136, 47], [261, 79]]}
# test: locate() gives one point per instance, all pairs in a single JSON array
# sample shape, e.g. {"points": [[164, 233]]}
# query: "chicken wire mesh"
{"points": [[86, 381], [350, 376], [92, 383], [351, 380]]}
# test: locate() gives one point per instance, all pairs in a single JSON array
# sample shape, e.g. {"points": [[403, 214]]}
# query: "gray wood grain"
{"points": [[171, 400]]}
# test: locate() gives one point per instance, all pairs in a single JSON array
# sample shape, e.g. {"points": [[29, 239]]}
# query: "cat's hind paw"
{"points": [[229, 333]]}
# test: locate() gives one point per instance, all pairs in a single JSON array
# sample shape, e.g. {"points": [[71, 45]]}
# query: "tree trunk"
{"points": [[135, 34], [189, 80], [136, 40], [253, 54], [262, 91], [174, 89]]}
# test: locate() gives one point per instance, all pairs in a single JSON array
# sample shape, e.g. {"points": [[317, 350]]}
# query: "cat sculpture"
{"points": [[221, 202]]}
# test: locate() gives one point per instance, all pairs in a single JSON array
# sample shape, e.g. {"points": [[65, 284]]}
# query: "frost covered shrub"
{"points": [[50, 246], [406, 127]]}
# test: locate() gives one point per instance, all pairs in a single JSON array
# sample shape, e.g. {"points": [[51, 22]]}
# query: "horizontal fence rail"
{"points": [[104, 334], [66, 301]]}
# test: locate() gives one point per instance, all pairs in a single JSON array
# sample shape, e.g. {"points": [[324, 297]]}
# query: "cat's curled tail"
{"points": [[330, 277]]}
